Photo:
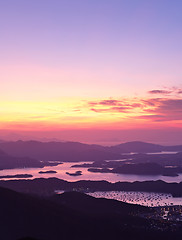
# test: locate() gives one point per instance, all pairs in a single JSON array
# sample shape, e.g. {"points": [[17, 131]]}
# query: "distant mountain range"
{"points": [[143, 147], [59, 151], [8, 162], [75, 151], [24, 154]]}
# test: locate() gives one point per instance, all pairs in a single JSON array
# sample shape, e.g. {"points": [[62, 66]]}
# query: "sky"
{"points": [[91, 70]]}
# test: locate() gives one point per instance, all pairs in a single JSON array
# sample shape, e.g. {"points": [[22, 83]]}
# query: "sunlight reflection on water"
{"points": [[141, 198], [86, 175]]}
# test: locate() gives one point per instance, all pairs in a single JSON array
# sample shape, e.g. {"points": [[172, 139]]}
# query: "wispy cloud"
{"points": [[111, 109], [164, 108], [107, 102], [166, 91], [157, 91]]}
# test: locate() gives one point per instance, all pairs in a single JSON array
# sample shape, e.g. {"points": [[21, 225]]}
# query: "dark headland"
{"points": [[42, 186], [30, 209], [52, 217]]}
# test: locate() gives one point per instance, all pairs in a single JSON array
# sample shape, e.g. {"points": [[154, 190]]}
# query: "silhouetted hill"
{"points": [[143, 147], [138, 147], [75, 151], [23, 216], [44, 187], [62, 217], [145, 168], [9, 162], [177, 148], [46, 218], [162, 159], [24, 154], [27, 238], [76, 216], [91, 205], [61, 151]]}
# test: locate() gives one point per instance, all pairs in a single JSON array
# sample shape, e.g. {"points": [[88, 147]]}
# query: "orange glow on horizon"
{"points": [[74, 113]]}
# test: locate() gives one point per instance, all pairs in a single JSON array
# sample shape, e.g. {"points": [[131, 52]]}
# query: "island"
{"points": [[148, 168], [44, 172], [17, 176], [77, 173]]}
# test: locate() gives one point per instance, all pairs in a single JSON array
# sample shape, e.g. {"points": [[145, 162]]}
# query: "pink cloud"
{"points": [[111, 109], [151, 109], [165, 92]]}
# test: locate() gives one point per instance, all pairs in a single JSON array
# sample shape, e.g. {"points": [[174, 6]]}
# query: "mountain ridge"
{"points": [[69, 150]]}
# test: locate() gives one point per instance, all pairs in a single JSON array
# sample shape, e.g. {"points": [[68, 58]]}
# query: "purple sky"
{"points": [[58, 56]]}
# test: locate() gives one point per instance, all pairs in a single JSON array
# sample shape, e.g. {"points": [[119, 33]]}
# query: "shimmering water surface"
{"points": [[141, 198], [86, 175]]}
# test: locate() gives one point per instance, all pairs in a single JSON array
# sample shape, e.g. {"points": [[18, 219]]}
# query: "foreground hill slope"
{"points": [[23, 215], [75, 215], [50, 218], [91, 205]]}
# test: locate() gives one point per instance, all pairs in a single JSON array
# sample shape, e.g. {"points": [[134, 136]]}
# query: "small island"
{"points": [[77, 173], [17, 176], [170, 175], [44, 172]]}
